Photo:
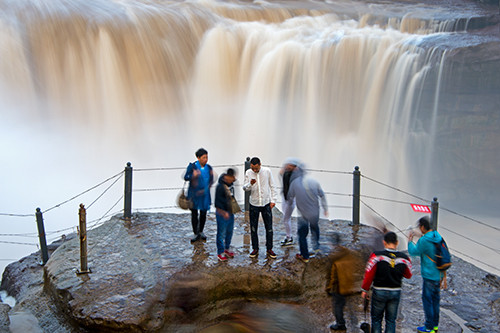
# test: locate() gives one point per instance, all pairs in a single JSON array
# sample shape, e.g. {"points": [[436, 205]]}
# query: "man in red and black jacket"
{"points": [[386, 269]]}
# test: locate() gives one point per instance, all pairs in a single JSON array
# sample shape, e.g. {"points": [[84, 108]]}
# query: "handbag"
{"points": [[235, 207], [182, 201]]}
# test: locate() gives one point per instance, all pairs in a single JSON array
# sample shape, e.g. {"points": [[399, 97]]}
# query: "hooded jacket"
{"points": [[306, 192], [425, 248], [222, 200]]}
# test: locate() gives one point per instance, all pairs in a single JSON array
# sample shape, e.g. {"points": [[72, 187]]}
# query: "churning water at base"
{"points": [[87, 86]]}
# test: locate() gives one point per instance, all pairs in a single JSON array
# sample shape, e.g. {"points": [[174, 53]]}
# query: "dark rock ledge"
{"points": [[147, 277]]}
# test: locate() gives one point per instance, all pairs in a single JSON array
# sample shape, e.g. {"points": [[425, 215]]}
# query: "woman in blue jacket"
{"points": [[200, 176]]}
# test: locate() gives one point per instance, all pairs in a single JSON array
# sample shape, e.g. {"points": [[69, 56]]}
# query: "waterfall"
{"points": [[86, 86]]}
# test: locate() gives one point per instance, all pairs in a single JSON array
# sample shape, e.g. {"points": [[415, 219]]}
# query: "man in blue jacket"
{"points": [[308, 195], [425, 248]]}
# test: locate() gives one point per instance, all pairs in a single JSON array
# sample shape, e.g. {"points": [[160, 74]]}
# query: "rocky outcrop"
{"points": [[147, 277], [4, 318], [145, 272]]}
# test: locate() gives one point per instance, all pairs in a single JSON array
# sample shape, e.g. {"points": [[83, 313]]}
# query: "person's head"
{"points": [[255, 164], [230, 176], [391, 240], [424, 224], [202, 156], [291, 163]]}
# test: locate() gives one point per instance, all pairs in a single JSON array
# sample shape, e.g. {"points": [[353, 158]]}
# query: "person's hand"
{"points": [[253, 181], [196, 173], [326, 212], [225, 215], [365, 295], [410, 236], [272, 204]]}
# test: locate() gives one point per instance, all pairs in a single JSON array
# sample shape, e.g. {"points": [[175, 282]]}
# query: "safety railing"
{"points": [[352, 199]]}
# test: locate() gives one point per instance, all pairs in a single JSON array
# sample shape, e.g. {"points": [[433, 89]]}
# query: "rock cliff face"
{"points": [[466, 114], [147, 277]]}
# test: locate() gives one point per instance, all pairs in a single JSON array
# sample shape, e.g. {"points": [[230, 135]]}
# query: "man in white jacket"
{"points": [[259, 181]]}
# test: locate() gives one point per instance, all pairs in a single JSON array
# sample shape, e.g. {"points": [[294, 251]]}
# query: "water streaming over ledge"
{"points": [[86, 86]]}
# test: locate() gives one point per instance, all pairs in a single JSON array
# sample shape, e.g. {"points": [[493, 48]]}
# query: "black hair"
{"points": [[255, 161], [425, 222], [391, 237], [231, 172], [200, 152]]}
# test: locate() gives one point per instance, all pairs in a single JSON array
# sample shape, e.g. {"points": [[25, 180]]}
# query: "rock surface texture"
{"points": [[147, 277]]}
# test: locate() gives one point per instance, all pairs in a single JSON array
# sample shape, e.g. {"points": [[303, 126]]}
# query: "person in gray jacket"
{"points": [[308, 194]]}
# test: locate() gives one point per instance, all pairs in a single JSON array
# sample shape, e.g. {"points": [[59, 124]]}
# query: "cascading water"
{"points": [[87, 86]]}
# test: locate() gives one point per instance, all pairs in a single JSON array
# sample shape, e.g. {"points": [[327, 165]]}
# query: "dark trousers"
{"points": [[338, 303], [198, 224], [267, 216]]}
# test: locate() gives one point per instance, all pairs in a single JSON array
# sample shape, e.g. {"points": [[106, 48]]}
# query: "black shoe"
{"points": [[195, 238], [365, 327], [337, 327], [202, 236]]}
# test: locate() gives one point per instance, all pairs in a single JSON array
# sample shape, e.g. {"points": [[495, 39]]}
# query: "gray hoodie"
{"points": [[306, 192]]}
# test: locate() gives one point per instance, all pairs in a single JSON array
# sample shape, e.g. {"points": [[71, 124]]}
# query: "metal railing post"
{"points": [[41, 236], [434, 213], [247, 194], [82, 214], [127, 209], [356, 185]]}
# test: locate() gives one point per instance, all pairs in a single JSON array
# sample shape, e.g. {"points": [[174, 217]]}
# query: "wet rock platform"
{"points": [[146, 276]]}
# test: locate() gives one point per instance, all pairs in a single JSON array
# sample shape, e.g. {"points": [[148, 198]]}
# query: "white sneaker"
{"points": [[287, 241]]}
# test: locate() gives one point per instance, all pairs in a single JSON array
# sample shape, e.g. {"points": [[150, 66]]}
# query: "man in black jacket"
{"points": [[386, 269], [224, 214]]}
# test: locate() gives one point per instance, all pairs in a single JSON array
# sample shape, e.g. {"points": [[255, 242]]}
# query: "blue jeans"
{"points": [[303, 226], [267, 216], [224, 232], [384, 301], [430, 300]]}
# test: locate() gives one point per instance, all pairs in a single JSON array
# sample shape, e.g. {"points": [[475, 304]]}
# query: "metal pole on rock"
{"points": [[41, 236], [82, 214], [127, 210], [434, 213], [247, 194], [356, 191]]}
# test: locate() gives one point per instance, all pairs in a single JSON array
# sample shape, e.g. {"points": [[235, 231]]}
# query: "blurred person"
{"points": [[379, 225], [431, 276], [346, 270], [259, 181], [224, 214], [307, 193], [385, 270], [287, 205], [201, 177]]}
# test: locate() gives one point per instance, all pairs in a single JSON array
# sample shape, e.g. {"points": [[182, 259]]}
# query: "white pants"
{"points": [[288, 207]]}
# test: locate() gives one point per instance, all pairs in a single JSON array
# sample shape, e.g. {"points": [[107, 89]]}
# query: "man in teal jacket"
{"points": [[431, 276]]}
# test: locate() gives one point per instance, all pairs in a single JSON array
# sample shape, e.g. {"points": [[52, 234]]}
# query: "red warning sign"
{"points": [[420, 208]]}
